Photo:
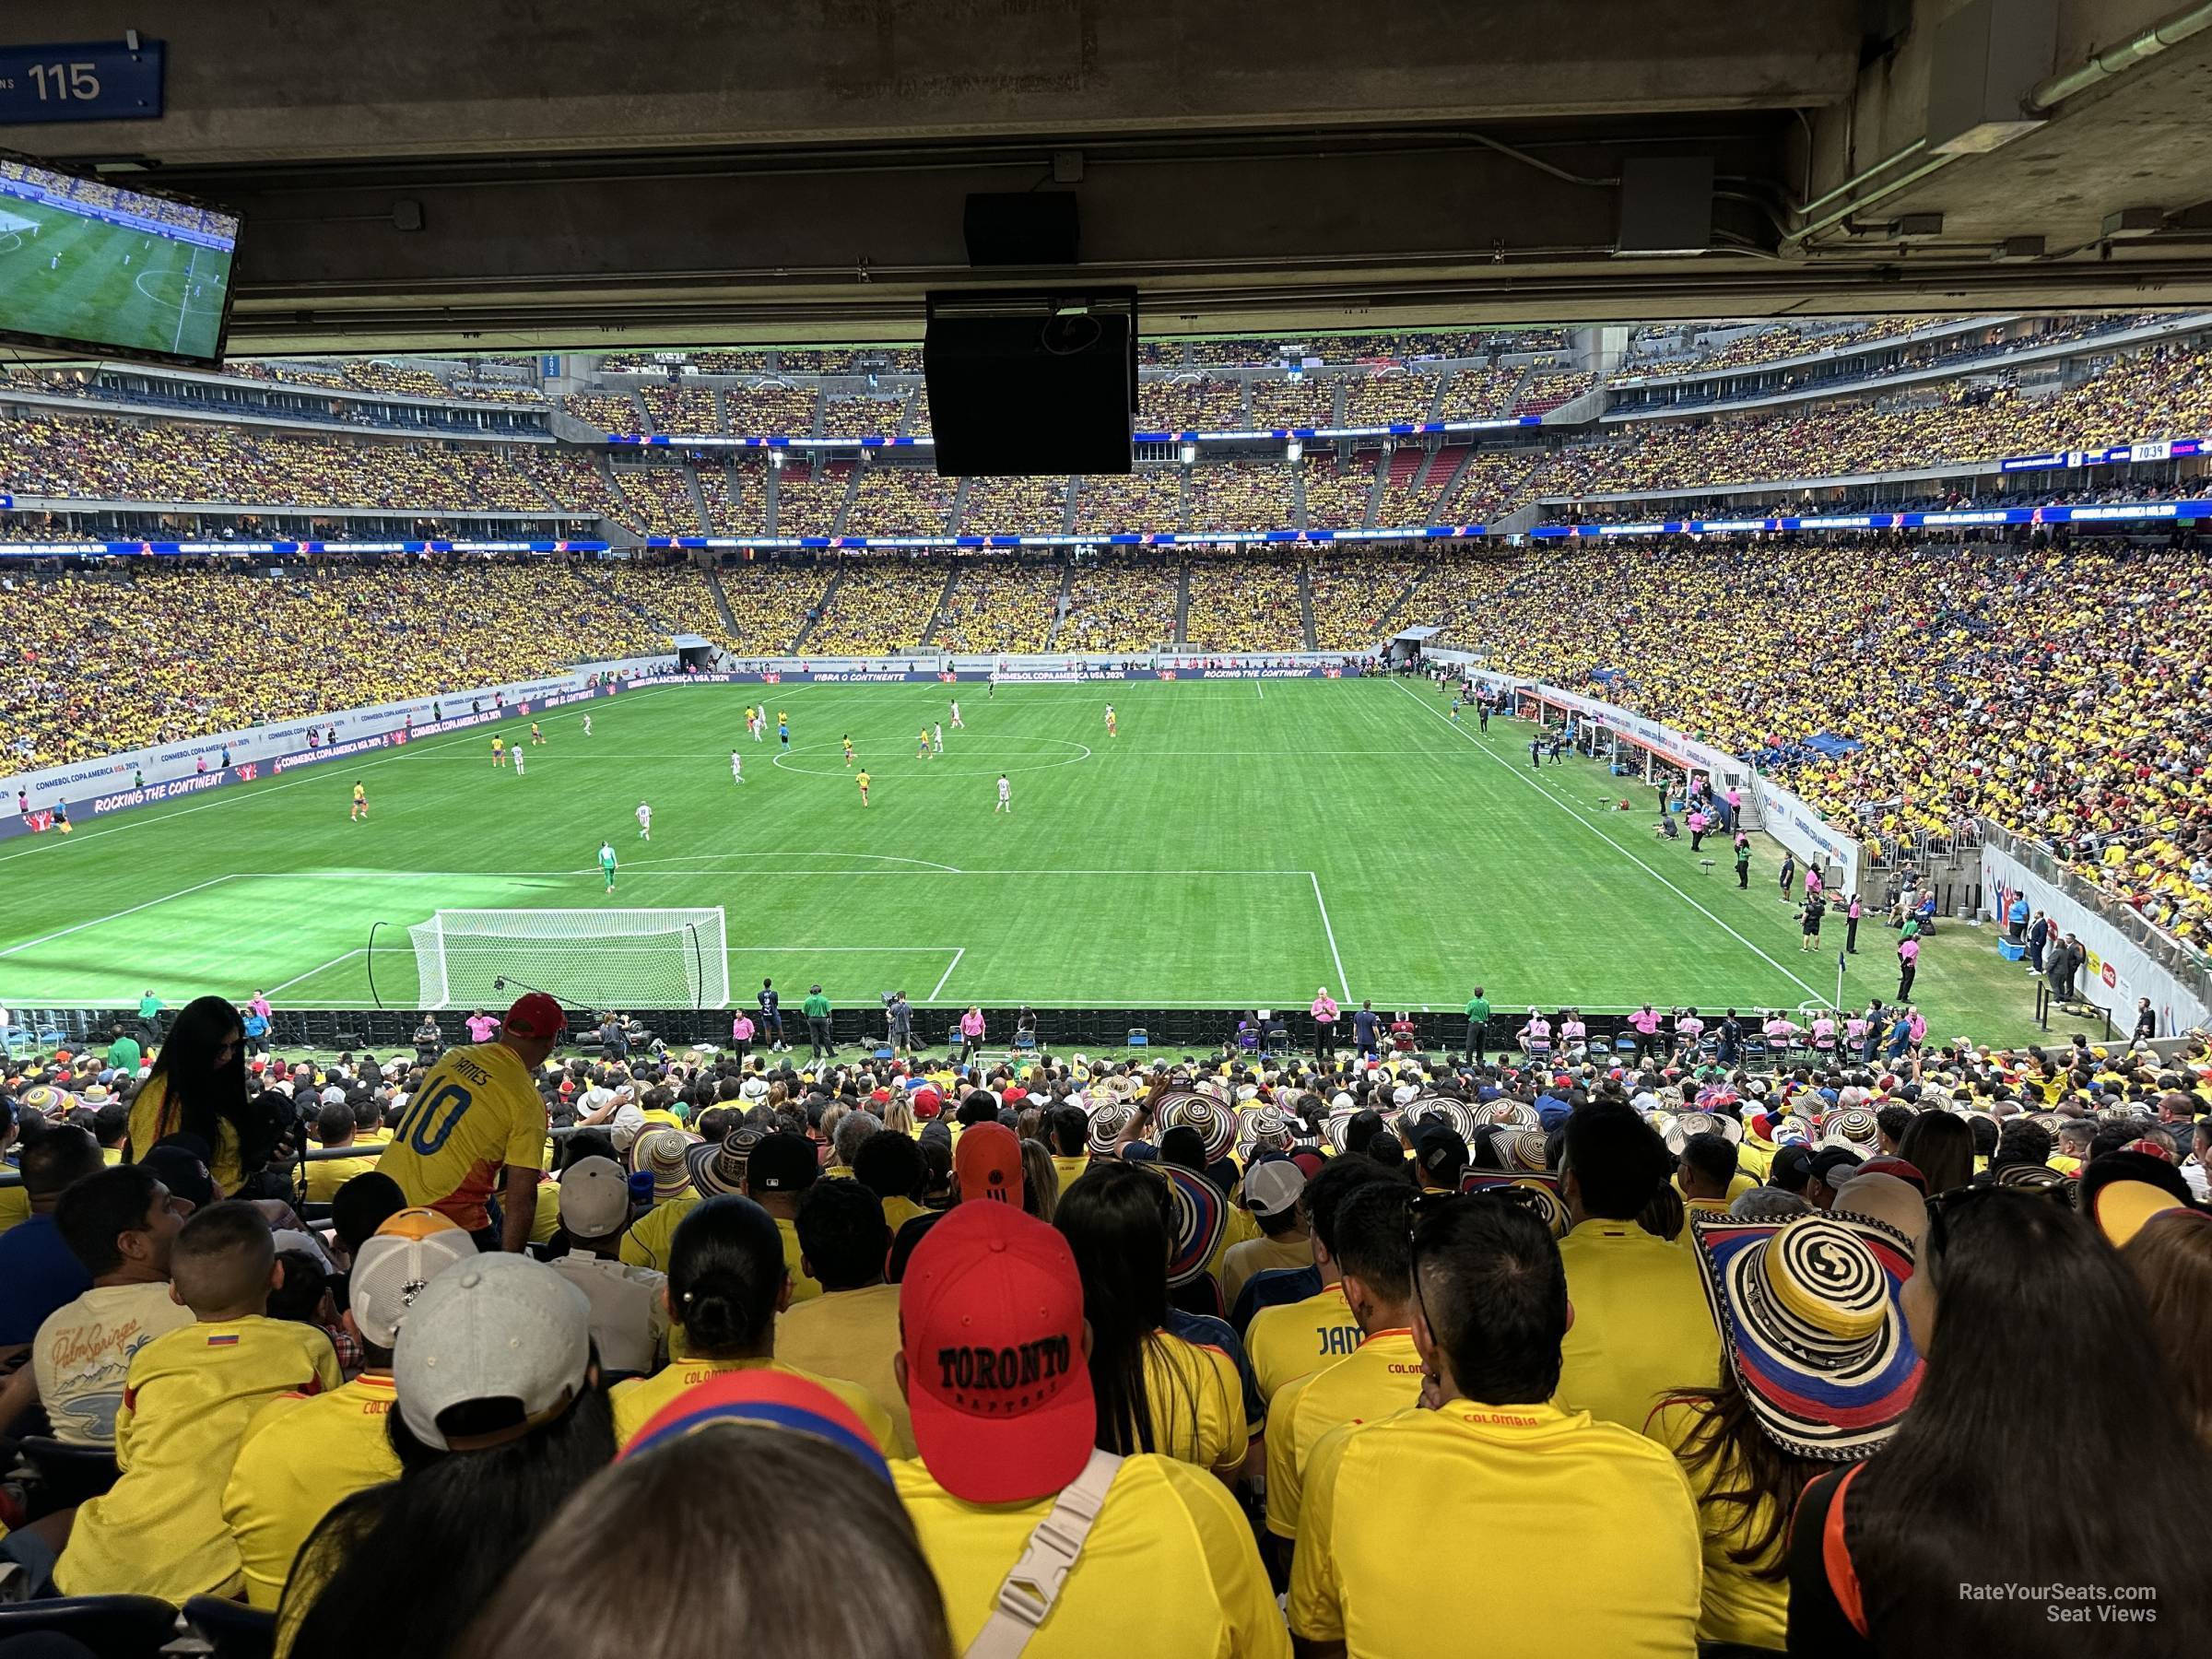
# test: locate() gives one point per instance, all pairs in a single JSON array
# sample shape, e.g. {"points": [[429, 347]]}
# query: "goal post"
{"points": [[602, 959]]}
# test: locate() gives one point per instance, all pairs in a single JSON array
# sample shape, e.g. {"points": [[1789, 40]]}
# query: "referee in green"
{"points": [[1478, 1026]]}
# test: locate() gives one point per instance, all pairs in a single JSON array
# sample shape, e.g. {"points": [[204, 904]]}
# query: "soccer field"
{"points": [[69, 275], [1239, 843]]}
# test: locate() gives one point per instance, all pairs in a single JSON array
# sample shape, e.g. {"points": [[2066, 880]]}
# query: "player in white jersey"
{"points": [[956, 715], [587, 726], [517, 760], [936, 737], [736, 766], [645, 821], [1006, 797]]}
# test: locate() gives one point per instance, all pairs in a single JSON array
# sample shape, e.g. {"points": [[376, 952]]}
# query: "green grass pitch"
{"points": [[148, 302], [1239, 843]]}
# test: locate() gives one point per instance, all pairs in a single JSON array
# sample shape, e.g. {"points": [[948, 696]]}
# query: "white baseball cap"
{"points": [[394, 1266], [594, 1197], [497, 1331]]}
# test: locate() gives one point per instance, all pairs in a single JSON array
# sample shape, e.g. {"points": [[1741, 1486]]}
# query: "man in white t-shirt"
{"points": [[645, 821], [630, 1316], [119, 1223]]}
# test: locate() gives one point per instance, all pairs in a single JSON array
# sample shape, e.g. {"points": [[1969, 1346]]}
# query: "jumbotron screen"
{"points": [[87, 265]]}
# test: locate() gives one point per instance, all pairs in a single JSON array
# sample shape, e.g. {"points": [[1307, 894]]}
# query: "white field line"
{"points": [[342, 956], [1343, 989], [958, 952], [1567, 807], [113, 916]]}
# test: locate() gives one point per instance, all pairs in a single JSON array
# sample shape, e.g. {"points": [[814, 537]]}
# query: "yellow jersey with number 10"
{"points": [[478, 1110]]}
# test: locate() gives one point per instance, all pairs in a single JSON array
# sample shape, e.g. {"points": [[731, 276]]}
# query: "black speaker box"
{"points": [[1031, 383]]}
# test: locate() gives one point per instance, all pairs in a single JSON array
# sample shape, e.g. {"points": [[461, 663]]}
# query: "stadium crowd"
{"points": [[1063, 1352], [93, 667]]}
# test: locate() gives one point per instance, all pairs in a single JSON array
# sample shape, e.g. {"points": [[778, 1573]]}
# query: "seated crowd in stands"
{"points": [[1089, 1354]]}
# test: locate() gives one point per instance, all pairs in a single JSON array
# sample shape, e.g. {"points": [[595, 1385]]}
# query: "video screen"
{"points": [[88, 265]]}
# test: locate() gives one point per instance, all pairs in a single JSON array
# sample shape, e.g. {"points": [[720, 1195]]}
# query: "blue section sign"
{"points": [[91, 80]]}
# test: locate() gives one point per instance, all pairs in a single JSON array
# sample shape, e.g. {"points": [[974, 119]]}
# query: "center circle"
{"points": [[903, 765], [185, 301]]}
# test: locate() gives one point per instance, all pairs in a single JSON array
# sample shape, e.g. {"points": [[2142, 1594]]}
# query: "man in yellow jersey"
{"points": [[476, 1124], [848, 1333], [189, 1396], [1642, 1330], [1381, 1376], [1489, 1311], [1285, 1343], [305, 1453], [863, 780], [994, 1366], [338, 1130], [360, 803], [498, 751], [781, 1168]]}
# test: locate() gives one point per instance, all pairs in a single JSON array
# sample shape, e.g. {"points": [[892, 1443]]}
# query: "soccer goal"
{"points": [[600, 959]]}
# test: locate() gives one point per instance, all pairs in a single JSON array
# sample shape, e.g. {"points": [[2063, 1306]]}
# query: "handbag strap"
{"points": [[1031, 1588]]}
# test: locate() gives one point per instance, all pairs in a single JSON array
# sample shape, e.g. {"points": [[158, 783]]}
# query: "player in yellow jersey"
{"points": [[536, 735], [863, 780], [1109, 732], [498, 751], [923, 752], [360, 803], [848, 752]]}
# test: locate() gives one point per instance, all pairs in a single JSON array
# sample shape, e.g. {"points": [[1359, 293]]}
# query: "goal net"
{"points": [[605, 959]]}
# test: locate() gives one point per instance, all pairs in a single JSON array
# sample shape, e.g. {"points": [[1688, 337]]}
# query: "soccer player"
{"points": [[1455, 710], [993, 684], [61, 817], [606, 862], [536, 735], [936, 738], [587, 726], [1005, 797], [517, 760], [736, 766], [498, 751], [922, 744], [1110, 720], [782, 728], [863, 780], [361, 802], [644, 815], [848, 752], [748, 718], [956, 715]]}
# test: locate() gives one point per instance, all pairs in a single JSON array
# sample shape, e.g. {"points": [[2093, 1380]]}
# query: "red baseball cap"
{"points": [[925, 1101], [987, 1164], [997, 1378], [535, 1015]]}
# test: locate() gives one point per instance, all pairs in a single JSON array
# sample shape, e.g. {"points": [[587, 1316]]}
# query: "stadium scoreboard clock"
{"points": [[101, 81]]}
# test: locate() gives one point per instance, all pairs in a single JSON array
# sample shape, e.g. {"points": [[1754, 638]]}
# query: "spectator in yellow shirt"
{"points": [[1167, 1568], [1380, 1377], [1496, 1462], [197, 1086], [1642, 1328], [1285, 1343], [1155, 1391], [336, 1126], [475, 1125], [496, 1417], [850, 1331], [304, 1453], [190, 1394], [727, 1285]]}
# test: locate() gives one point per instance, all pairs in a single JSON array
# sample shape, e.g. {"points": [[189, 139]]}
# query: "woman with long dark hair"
{"points": [[403, 1568], [1939, 1144], [1155, 1391], [1998, 1475], [197, 1086]]}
